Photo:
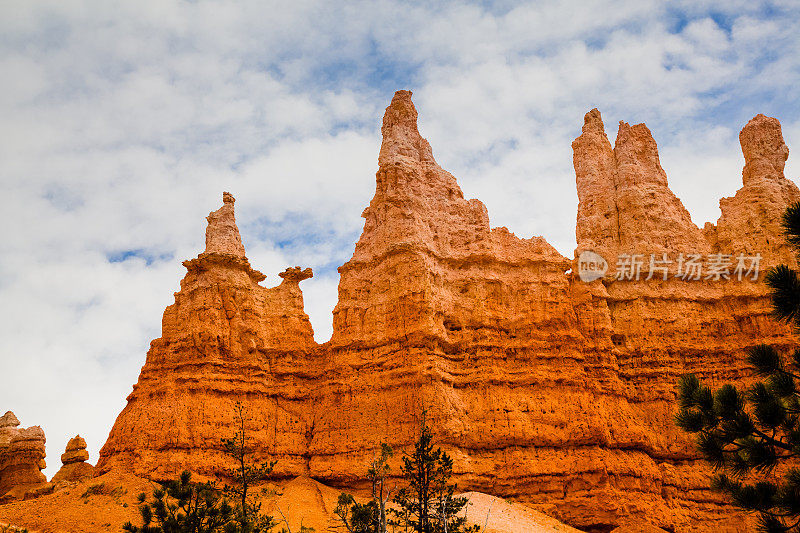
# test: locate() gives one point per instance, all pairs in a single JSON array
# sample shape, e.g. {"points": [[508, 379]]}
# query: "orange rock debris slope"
{"points": [[103, 504], [545, 389]]}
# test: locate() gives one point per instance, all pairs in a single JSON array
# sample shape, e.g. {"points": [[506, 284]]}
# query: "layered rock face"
{"points": [[22, 456], [225, 338], [661, 328], [73, 463], [543, 387]]}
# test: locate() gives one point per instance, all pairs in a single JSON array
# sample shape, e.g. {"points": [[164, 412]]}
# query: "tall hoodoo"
{"points": [[652, 219], [751, 220], [401, 138], [625, 203], [595, 176], [225, 338], [765, 153]]}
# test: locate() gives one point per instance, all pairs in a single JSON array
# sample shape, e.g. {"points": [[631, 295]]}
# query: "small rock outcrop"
{"points": [[22, 454], [74, 462]]}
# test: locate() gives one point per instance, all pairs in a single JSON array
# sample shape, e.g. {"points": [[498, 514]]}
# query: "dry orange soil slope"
{"points": [[103, 504], [545, 389]]}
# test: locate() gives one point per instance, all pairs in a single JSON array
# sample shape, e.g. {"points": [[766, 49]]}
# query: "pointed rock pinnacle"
{"points": [[401, 138], [636, 153], [222, 235], [765, 153], [593, 122]]}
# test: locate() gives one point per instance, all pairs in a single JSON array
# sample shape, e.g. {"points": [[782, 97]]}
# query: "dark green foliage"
{"points": [[181, 506], [371, 516], [246, 473], [752, 438], [428, 504], [785, 287], [358, 517], [791, 225]]}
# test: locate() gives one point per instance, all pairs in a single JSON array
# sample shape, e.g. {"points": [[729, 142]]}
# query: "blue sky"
{"points": [[122, 125]]}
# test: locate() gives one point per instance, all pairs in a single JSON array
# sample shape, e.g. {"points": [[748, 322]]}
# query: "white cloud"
{"points": [[123, 123]]}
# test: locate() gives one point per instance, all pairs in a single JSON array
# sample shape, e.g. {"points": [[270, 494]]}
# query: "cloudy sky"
{"points": [[122, 123]]}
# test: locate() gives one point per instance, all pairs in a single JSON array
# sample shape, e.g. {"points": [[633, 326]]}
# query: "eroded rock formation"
{"points": [[22, 456], [748, 220], [544, 388], [74, 466], [225, 338]]}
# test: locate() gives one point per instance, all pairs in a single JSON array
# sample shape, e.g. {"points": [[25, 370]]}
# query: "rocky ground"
{"points": [[103, 504]]}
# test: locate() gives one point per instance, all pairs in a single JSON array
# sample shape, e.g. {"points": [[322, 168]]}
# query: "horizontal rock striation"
{"points": [[545, 388], [22, 456], [74, 465], [225, 338]]}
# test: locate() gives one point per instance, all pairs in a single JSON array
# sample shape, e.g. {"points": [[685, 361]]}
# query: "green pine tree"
{"points": [[368, 517], [246, 473], [181, 506], [428, 504], [357, 517], [752, 437]]}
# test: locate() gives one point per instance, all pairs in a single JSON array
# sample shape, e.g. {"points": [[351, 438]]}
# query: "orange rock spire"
{"points": [[222, 235], [625, 204], [401, 138], [225, 338], [751, 220], [765, 153]]}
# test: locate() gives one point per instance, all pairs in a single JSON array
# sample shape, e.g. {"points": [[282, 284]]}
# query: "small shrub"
{"points": [[93, 490]]}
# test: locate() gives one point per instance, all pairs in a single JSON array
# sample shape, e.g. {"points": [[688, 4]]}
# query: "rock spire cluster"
{"points": [[543, 387]]}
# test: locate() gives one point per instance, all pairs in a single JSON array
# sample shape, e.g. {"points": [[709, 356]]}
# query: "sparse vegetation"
{"points": [[8, 528], [428, 504], [181, 506], [246, 473], [752, 437], [91, 490], [369, 517], [99, 489]]}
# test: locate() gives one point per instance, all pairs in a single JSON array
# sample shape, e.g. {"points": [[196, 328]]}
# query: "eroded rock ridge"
{"points": [[543, 388]]}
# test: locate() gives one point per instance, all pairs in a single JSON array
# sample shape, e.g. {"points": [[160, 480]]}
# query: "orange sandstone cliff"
{"points": [[544, 388]]}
